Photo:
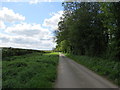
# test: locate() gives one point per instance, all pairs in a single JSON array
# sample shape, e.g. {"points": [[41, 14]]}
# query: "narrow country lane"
{"points": [[74, 75]]}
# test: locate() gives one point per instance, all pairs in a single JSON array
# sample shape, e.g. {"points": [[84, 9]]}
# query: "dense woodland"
{"points": [[90, 28]]}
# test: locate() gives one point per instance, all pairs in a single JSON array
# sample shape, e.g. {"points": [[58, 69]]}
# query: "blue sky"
{"points": [[34, 12], [29, 25]]}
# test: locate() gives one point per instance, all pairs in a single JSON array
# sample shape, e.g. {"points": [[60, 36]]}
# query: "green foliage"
{"points": [[109, 69], [34, 70], [90, 28], [64, 45]]}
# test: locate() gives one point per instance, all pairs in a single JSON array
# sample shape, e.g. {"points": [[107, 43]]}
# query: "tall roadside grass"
{"points": [[34, 70], [107, 68]]}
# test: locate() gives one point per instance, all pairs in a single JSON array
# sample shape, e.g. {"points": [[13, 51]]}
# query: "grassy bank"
{"points": [[107, 68], [33, 70]]}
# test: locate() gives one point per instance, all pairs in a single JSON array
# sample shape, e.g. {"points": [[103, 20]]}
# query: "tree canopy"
{"points": [[90, 28]]}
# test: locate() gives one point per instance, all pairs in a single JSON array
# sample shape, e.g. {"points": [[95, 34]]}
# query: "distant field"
{"points": [[8, 52], [33, 69]]}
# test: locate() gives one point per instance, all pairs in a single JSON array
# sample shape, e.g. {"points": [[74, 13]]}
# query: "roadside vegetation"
{"points": [[109, 70], [37, 69]]}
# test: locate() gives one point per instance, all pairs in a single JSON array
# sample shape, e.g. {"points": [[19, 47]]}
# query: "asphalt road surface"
{"points": [[74, 75]]}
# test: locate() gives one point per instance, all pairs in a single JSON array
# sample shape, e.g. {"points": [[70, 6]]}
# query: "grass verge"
{"points": [[33, 70], [107, 68]]}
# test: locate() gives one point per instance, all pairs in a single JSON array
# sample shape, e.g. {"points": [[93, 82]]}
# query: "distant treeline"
{"points": [[7, 52], [90, 28]]}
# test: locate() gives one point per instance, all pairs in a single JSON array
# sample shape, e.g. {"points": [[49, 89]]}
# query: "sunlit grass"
{"points": [[34, 70]]}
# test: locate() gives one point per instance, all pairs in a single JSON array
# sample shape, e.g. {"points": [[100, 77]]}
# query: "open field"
{"points": [[32, 70], [107, 68]]}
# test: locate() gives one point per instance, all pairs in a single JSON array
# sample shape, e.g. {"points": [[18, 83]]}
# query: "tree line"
{"points": [[90, 28]]}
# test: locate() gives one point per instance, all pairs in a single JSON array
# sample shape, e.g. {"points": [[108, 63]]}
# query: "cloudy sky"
{"points": [[29, 24]]}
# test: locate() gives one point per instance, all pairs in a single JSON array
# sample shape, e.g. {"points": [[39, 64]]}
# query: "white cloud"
{"points": [[32, 1], [26, 29], [37, 1], [31, 34], [27, 36], [8, 15], [11, 0], [26, 42], [2, 25], [4, 38], [53, 21]]}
